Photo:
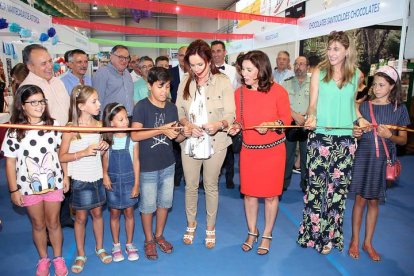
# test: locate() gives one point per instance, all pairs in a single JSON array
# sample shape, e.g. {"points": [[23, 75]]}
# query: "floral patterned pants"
{"points": [[329, 161]]}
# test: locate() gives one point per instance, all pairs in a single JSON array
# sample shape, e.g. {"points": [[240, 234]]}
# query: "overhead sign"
{"points": [[27, 17]]}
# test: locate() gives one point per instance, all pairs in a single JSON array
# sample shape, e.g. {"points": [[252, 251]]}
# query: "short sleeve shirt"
{"points": [[38, 169], [155, 153]]}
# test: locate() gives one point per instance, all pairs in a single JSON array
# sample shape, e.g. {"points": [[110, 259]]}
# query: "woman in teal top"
{"points": [[331, 147]]}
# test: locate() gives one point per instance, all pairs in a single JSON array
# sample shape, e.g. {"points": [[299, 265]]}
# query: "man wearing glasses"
{"points": [[40, 65], [78, 64], [113, 82], [141, 91]]}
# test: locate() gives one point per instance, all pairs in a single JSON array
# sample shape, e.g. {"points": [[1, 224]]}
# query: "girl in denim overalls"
{"points": [[121, 179]]}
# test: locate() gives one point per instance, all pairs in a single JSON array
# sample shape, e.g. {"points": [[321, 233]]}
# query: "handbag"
{"points": [[392, 169], [296, 134], [238, 138]]}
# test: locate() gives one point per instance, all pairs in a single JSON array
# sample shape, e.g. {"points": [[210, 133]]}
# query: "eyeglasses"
{"points": [[122, 58], [36, 103]]}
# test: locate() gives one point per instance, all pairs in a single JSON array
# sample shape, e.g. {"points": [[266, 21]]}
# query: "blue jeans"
{"points": [[156, 190]]}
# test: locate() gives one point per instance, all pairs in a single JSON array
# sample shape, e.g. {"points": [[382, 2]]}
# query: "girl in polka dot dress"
{"points": [[34, 174]]}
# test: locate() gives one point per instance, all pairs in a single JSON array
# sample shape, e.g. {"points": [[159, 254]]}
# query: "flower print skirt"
{"points": [[329, 163]]}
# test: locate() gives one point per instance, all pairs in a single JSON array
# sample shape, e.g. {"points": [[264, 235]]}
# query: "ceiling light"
{"points": [[95, 7]]}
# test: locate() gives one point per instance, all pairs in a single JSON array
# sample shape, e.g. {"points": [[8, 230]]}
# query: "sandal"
{"points": [[78, 268], [164, 245], [353, 251], [189, 234], [151, 250], [210, 242], [326, 249], [105, 257], [249, 246], [266, 249], [373, 255]]}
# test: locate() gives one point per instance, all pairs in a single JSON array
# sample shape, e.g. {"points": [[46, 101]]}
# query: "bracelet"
{"points": [[11, 192]]}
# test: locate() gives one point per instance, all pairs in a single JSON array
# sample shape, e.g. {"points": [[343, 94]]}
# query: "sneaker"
{"points": [[132, 252], [117, 253], [296, 170], [60, 266], [43, 267]]}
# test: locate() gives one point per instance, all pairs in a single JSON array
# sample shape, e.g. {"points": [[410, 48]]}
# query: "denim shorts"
{"points": [[156, 190], [87, 195], [120, 195]]}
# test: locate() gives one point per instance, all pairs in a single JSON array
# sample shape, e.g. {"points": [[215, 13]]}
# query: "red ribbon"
{"points": [[145, 31]]}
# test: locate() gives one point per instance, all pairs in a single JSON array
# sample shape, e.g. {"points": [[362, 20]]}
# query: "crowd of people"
{"points": [[183, 120]]}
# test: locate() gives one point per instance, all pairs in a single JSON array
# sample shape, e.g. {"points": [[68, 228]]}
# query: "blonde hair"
{"points": [[80, 94], [348, 67]]}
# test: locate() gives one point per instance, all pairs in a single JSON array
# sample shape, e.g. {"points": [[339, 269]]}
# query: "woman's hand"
{"points": [[364, 124], [17, 198], [263, 130], [212, 128], [66, 184], [357, 132], [310, 122], [234, 129], [135, 191], [384, 132], [107, 182], [195, 131]]}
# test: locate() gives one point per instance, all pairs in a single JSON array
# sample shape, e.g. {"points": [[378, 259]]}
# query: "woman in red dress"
{"points": [[261, 102]]}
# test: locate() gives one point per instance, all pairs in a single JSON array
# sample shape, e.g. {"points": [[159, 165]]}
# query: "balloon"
{"points": [[3, 23], [43, 37], [51, 32], [14, 28], [55, 40], [24, 33]]}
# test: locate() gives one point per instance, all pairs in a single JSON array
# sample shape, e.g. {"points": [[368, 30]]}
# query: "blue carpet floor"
{"points": [[392, 239]]}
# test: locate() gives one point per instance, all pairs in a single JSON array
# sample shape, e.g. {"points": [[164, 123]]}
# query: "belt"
{"points": [[265, 146]]}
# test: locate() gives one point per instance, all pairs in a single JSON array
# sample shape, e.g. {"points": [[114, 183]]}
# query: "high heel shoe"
{"points": [[189, 235], [266, 249], [249, 246], [210, 241], [373, 255]]}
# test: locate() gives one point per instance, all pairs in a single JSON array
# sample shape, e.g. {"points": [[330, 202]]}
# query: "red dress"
{"points": [[262, 170]]}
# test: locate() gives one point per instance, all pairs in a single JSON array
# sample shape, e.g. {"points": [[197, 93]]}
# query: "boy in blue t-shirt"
{"points": [[156, 157]]}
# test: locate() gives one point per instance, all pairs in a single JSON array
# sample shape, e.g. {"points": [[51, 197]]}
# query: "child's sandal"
{"points": [[105, 257], [151, 250], [164, 245], [78, 268]]}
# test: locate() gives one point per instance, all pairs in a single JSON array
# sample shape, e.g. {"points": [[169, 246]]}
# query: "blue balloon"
{"points": [[14, 28], [51, 32], [55, 40], [56, 67], [43, 37], [24, 33]]}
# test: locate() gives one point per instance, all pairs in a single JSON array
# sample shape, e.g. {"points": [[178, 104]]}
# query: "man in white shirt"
{"points": [[40, 64], [218, 50], [282, 71], [133, 64]]}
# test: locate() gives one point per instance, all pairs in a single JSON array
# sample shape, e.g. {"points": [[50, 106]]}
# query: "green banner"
{"points": [[137, 44]]}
